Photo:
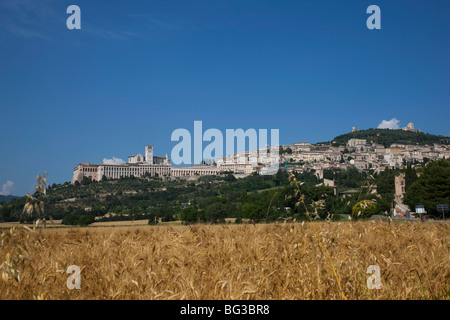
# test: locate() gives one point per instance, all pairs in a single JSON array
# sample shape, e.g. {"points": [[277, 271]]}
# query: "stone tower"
{"points": [[400, 185], [149, 154]]}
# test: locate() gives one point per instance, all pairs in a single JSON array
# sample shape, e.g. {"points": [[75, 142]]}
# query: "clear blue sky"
{"points": [[137, 70]]}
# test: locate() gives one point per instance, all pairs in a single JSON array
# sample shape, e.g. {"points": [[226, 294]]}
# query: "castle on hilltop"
{"points": [[410, 127]]}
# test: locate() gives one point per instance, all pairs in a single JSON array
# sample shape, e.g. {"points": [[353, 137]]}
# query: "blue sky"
{"points": [[138, 70]]}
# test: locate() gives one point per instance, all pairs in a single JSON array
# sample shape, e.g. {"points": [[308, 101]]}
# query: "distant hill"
{"points": [[387, 137], [7, 198]]}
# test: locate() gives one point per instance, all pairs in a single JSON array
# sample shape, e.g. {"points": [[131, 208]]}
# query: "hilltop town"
{"points": [[390, 172], [363, 154]]}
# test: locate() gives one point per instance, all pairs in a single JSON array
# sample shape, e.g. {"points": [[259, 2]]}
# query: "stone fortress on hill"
{"points": [[302, 156]]}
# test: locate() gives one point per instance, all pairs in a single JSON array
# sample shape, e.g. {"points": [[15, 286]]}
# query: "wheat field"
{"points": [[264, 261]]}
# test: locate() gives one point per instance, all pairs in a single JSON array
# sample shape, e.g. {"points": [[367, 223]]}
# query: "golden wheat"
{"points": [[273, 261]]}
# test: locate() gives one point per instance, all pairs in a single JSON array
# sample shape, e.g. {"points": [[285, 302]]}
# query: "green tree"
{"points": [[431, 188], [216, 212], [328, 174], [253, 212], [78, 220], [230, 178], [280, 178], [410, 176], [5, 212], [385, 182], [86, 181], [189, 215], [152, 219]]}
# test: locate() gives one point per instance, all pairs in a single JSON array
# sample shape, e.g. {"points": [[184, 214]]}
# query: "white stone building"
{"points": [[355, 143], [143, 165], [137, 166]]}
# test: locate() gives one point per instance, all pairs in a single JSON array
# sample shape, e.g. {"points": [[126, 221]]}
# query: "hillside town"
{"points": [[301, 157], [366, 155], [360, 153]]}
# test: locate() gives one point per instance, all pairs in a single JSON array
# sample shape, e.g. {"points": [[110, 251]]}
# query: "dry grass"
{"points": [[276, 261]]}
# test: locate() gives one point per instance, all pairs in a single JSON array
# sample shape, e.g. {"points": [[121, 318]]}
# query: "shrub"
{"points": [[364, 209], [78, 220]]}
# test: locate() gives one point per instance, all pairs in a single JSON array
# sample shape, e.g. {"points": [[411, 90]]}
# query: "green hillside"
{"points": [[6, 198], [209, 199], [387, 137], [212, 199]]}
